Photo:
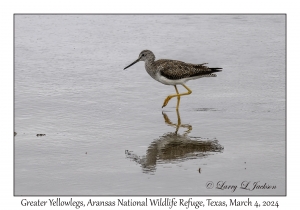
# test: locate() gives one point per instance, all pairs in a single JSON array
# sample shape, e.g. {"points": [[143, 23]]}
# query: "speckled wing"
{"points": [[175, 70]]}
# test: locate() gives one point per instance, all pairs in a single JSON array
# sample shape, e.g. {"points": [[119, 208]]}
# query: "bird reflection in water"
{"points": [[174, 147]]}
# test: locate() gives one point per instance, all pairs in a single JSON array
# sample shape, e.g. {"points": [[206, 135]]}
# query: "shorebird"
{"points": [[173, 72]]}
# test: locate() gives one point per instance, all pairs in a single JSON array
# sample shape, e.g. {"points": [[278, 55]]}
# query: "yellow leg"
{"points": [[177, 95]]}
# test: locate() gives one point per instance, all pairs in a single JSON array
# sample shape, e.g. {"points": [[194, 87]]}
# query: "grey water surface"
{"points": [[105, 130]]}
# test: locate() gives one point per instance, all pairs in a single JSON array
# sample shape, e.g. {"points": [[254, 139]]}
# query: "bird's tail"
{"points": [[216, 69]]}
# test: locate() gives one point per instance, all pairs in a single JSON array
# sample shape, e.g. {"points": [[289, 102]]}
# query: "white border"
{"points": [[8, 8]]}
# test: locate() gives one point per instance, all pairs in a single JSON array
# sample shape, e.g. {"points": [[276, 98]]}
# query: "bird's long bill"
{"points": [[132, 63]]}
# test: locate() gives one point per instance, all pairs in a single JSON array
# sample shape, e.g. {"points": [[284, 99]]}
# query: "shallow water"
{"points": [[105, 130]]}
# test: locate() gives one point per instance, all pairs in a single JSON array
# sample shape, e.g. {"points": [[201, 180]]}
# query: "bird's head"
{"points": [[145, 55]]}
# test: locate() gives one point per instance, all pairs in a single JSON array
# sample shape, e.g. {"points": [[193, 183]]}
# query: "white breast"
{"points": [[167, 81]]}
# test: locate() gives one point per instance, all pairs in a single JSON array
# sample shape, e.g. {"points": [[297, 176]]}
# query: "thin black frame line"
{"points": [[151, 14]]}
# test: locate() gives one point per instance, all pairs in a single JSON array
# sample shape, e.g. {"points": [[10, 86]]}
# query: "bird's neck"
{"points": [[150, 68], [149, 62]]}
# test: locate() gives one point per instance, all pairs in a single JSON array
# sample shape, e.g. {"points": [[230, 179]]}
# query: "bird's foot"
{"points": [[166, 101]]}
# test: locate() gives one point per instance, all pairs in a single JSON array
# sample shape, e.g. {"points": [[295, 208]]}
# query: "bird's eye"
{"points": [[143, 54]]}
